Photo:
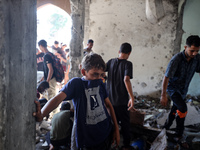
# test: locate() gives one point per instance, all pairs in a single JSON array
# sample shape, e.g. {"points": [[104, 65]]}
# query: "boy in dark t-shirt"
{"points": [[119, 89], [93, 128], [48, 69]]}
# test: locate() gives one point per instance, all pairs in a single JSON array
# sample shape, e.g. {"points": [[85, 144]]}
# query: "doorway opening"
{"points": [[53, 23]]}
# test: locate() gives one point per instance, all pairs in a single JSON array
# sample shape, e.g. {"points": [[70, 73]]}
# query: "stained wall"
{"points": [[113, 22]]}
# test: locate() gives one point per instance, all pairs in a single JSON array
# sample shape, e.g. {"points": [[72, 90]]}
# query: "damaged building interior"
{"points": [[156, 29]]}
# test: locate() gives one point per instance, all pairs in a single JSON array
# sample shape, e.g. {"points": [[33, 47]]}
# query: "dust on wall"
{"points": [[112, 22]]}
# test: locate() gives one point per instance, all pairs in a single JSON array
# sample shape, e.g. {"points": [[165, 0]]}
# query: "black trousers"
{"points": [[123, 119], [105, 145], [178, 111]]}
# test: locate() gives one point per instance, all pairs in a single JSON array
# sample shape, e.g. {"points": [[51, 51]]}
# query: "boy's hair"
{"points": [[42, 86], [65, 106], [56, 42], [90, 41], [43, 43], [125, 48], [93, 60], [193, 40]]}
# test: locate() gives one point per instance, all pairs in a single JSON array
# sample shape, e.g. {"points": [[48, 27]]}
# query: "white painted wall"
{"points": [[112, 22]]}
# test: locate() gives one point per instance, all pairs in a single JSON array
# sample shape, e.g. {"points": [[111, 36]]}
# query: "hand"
{"points": [[116, 138], [163, 100], [38, 114], [131, 105]]}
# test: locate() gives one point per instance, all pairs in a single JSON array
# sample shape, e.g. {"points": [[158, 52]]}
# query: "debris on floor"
{"points": [[150, 116], [160, 143]]}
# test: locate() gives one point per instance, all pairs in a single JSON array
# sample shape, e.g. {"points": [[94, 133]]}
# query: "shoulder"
{"points": [[112, 60], [198, 56], [128, 62], [75, 80], [72, 84], [48, 54], [177, 56]]}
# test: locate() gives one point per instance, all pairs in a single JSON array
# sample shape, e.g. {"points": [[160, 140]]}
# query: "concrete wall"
{"points": [[191, 26], [112, 22], [17, 74]]}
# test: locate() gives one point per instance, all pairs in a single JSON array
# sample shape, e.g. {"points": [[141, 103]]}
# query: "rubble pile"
{"points": [[150, 116]]}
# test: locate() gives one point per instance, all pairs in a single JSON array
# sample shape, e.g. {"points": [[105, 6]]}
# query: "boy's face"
{"points": [[56, 45], [41, 48], [93, 74], [90, 45]]}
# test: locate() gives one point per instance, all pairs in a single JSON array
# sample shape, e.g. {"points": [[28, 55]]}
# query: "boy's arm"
{"points": [[49, 106], [116, 136], [50, 73], [130, 92]]}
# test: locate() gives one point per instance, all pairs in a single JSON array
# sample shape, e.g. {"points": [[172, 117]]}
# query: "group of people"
{"points": [[100, 107]]}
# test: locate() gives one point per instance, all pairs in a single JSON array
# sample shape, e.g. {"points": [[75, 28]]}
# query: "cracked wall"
{"points": [[113, 22]]}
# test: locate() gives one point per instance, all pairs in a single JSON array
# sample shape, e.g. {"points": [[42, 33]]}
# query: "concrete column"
{"points": [[87, 21], [17, 74], [76, 44]]}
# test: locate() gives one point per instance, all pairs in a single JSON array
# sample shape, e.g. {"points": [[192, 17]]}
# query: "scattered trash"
{"points": [[139, 144], [151, 116]]}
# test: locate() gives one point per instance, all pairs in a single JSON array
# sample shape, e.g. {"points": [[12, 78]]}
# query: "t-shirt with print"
{"points": [[117, 69], [91, 116], [47, 60]]}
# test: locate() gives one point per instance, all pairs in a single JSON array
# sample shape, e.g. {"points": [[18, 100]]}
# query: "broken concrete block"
{"points": [[160, 143], [137, 117]]}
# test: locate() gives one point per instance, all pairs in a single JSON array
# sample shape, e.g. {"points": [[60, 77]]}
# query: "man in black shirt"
{"points": [[119, 88], [48, 69]]}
